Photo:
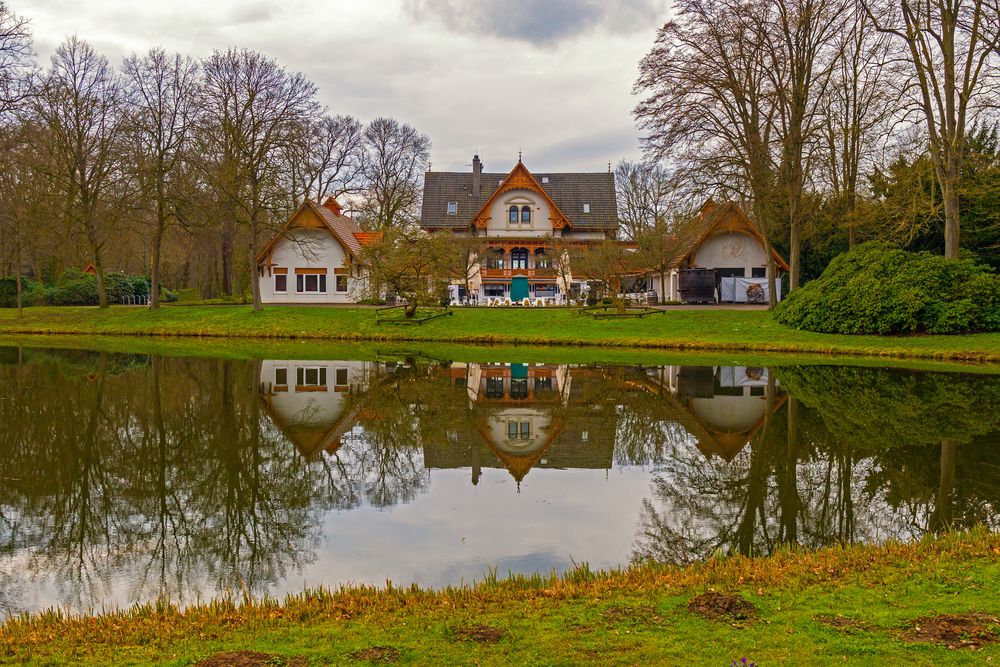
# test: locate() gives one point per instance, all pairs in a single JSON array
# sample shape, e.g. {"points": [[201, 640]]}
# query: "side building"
{"points": [[523, 220], [314, 258]]}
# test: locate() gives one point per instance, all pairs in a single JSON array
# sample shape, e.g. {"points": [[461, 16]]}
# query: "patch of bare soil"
{"points": [[722, 607], [644, 614], [955, 630], [848, 625], [376, 654], [484, 634], [250, 659]]}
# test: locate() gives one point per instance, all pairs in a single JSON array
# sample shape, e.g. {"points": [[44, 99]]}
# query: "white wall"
{"points": [[309, 249], [540, 224], [730, 250]]}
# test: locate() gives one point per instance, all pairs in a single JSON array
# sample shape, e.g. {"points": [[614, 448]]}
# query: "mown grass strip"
{"points": [[689, 330]]}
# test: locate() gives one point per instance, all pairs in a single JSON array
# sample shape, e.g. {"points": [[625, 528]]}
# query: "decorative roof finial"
{"points": [[518, 154]]}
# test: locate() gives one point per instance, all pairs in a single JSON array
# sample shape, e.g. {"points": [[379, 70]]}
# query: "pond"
{"points": [[129, 476]]}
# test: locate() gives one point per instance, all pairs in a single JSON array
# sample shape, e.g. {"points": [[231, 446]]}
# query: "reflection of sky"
{"points": [[456, 531]]}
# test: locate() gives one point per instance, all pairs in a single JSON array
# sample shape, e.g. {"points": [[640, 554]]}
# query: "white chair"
{"points": [[540, 302], [507, 301]]}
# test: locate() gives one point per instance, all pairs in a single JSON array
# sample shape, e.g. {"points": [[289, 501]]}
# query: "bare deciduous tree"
{"points": [[161, 103], [858, 112], [80, 105], [710, 105], [952, 48], [801, 39], [15, 59], [252, 109], [646, 193], [326, 160], [396, 157]]}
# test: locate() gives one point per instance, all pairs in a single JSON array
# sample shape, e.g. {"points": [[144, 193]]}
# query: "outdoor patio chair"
{"points": [[507, 301]]}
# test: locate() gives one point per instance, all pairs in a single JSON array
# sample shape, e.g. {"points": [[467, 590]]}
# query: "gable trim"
{"points": [[520, 178]]}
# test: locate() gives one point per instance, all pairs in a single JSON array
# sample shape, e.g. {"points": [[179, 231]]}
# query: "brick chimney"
{"points": [[477, 174], [332, 205]]}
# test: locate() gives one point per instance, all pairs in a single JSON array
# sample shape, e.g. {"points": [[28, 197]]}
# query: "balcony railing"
{"points": [[509, 273]]}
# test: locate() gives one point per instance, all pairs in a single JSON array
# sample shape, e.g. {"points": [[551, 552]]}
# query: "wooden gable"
{"points": [[520, 178], [307, 216]]}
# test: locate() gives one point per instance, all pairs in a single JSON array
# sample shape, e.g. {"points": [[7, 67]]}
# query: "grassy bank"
{"points": [[932, 602], [716, 330]]}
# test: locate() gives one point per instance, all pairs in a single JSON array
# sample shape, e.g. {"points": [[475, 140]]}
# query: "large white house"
{"points": [[310, 260], [521, 216]]}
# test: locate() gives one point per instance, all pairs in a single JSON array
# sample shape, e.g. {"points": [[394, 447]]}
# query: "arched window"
{"points": [[525, 215], [542, 260], [513, 215], [519, 258]]}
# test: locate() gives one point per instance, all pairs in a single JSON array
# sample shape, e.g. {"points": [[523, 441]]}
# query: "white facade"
{"points": [[731, 250], [308, 398], [304, 252]]}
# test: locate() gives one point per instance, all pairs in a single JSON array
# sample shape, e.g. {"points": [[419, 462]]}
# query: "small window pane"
{"points": [[281, 376], [280, 282], [341, 283], [312, 376], [512, 430], [299, 376], [525, 214], [322, 376], [299, 283], [341, 376], [513, 215], [322, 283], [525, 430], [452, 208]]}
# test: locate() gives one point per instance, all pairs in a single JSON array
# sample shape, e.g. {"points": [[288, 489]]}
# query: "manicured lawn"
{"points": [[859, 605], [719, 330]]}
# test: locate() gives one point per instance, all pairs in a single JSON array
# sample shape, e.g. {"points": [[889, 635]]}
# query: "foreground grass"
{"points": [[636, 616], [718, 330]]}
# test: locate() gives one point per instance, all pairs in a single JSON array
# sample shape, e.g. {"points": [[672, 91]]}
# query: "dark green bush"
{"points": [[877, 288]]}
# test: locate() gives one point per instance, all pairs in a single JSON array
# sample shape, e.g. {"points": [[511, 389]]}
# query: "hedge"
{"points": [[878, 288]]}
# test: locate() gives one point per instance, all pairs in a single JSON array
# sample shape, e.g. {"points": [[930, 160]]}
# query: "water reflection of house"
{"points": [[312, 402], [526, 416], [722, 407]]}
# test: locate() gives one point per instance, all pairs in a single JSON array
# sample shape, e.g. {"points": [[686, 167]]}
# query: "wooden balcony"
{"points": [[507, 274]]}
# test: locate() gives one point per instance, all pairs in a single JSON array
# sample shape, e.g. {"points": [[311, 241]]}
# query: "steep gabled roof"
{"points": [[567, 191], [712, 218], [343, 228]]}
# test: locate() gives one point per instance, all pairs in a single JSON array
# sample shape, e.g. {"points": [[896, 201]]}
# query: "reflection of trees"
{"points": [[833, 447], [166, 479]]}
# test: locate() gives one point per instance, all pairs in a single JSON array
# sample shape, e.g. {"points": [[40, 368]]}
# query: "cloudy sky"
{"points": [[550, 77]]}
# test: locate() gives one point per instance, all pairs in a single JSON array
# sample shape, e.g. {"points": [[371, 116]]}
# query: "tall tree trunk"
{"points": [[793, 256], [95, 248], [258, 305], [949, 192], [17, 269], [161, 223], [228, 237]]}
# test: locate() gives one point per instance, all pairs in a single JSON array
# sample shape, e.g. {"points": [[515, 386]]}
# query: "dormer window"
{"points": [[512, 218], [525, 215], [453, 208], [586, 208]]}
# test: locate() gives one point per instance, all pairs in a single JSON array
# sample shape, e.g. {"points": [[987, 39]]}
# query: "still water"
{"points": [[124, 477]]}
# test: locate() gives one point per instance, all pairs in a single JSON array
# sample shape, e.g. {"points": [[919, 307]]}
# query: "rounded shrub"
{"points": [[878, 288]]}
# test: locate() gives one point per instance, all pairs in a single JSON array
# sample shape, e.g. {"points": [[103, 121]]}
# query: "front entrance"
{"points": [[518, 288]]}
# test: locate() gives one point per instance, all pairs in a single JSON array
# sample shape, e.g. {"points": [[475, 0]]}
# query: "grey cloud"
{"points": [[541, 22]]}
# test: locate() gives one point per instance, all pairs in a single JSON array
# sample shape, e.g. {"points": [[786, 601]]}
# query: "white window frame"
{"points": [[453, 208]]}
